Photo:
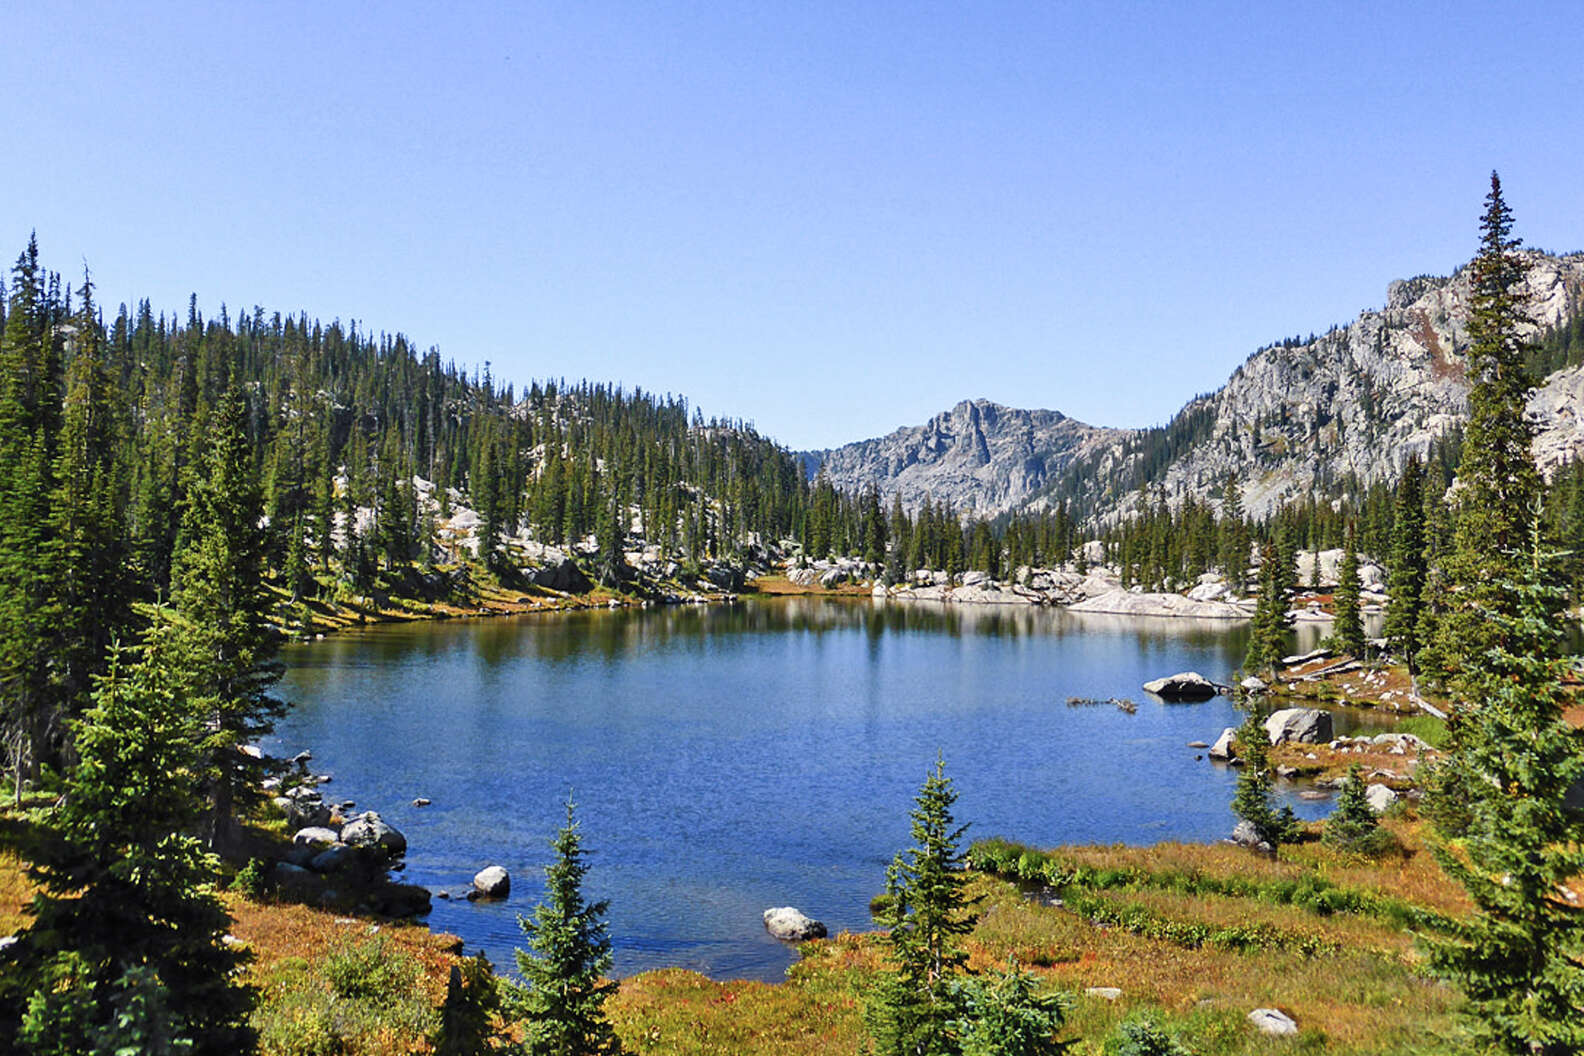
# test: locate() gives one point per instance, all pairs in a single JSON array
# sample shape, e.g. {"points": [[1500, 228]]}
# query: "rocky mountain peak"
{"points": [[979, 454]]}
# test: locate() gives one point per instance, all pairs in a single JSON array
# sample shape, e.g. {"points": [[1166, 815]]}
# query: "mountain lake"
{"points": [[729, 758]]}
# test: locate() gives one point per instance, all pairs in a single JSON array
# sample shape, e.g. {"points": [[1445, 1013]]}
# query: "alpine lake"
{"points": [[728, 758]]}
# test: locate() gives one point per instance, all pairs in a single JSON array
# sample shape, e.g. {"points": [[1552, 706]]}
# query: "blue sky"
{"points": [[829, 219]]}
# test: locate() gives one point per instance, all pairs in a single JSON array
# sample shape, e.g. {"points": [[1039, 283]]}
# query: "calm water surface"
{"points": [[731, 758]]}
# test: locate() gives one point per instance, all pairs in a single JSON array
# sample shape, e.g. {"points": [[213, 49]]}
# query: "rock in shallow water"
{"points": [[492, 882], [790, 925], [370, 830], [1187, 685]]}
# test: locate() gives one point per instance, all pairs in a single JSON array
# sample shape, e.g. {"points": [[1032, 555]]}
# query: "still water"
{"points": [[732, 758]]}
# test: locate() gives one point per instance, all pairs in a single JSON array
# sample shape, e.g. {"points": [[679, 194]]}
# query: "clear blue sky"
{"points": [[830, 219]]}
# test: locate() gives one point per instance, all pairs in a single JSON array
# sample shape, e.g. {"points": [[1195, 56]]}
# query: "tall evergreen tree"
{"points": [[562, 999], [1520, 958], [1348, 630], [927, 912], [1407, 577], [1498, 483], [1268, 629], [221, 620]]}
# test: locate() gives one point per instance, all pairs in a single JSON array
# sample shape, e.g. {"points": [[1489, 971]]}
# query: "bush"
{"points": [[362, 999], [251, 879], [1141, 1034]]}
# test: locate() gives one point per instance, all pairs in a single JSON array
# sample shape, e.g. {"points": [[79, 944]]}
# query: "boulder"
{"points": [[421, 801], [1380, 798], [316, 836], [1254, 684], [1299, 725], [975, 578], [564, 576], [1222, 748], [834, 578], [790, 925], [492, 882], [1212, 591], [1273, 1022], [1245, 835], [1107, 993], [370, 830], [333, 858], [303, 813], [1186, 685]]}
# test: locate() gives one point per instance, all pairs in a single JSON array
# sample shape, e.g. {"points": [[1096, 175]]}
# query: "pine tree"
{"points": [[92, 585], [1406, 585], [1268, 629], [221, 619], [1234, 549], [1519, 959], [562, 999], [1348, 630], [1353, 825], [123, 887], [1251, 801], [1498, 484], [926, 913]]}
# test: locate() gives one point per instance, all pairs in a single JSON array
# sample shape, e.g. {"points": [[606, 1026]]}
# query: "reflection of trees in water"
{"points": [[608, 635]]}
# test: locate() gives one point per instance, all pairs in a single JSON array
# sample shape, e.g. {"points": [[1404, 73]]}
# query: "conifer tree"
{"points": [[1348, 629], [1268, 629], [1353, 825], [926, 913], [1406, 583], [91, 582], [1519, 959], [124, 888], [221, 620], [1251, 801], [562, 999], [1498, 481]]}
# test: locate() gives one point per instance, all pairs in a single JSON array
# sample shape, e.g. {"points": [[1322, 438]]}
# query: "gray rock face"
{"points": [[370, 830], [1222, 748], [1127, 603], [1273, 1022], [1301, 725], [1188, 685], [1360, 399], [492, 882], [977, 454], [790, 925]]}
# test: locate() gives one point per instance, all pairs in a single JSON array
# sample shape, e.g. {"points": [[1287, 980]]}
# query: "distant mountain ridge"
{"points": [[979, 454], [1351, 405]]}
